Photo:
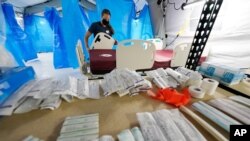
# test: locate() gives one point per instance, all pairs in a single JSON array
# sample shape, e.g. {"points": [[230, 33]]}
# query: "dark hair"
{"points": [[106, 11]]}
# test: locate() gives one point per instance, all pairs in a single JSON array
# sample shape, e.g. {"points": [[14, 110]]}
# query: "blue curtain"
{"points": [[123, 19], [18, 42], [39, 31], [73, 29], [55, 22], [2, 27], [120, 16], [140, 27], [76, 21]]}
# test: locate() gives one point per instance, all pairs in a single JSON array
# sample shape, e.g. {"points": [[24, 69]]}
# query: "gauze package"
{"points": [[137, 134], [123, 82], [52, 102], [80, 128], [181, 79], [78, 138], [194, 78], [167, 125], [150, 130], [79, 85], [28, 105], [94, 90], [125, 135], [162, 79], [106, 138], [42, 89], [186, 127]]}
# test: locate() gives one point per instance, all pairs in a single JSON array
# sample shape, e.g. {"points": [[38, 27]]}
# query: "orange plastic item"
{"points": [[172, 96]]}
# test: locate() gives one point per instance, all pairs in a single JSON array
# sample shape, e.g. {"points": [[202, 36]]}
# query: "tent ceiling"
{"points": [[25, 3]]}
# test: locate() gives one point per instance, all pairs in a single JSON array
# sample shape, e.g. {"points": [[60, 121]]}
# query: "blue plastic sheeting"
{"points": [[120, 16], [141, 27], [2, 27], [9, 83], [18, 42], [55, 22], [73, 29], [39, 31], [124, 21]]}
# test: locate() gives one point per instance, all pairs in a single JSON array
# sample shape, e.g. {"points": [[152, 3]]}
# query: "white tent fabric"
{"points": [[229, 41]]}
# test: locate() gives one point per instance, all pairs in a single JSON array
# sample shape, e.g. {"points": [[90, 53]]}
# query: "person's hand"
{"points": [[88, 49]]}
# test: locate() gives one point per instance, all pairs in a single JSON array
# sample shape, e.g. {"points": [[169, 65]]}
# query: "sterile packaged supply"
{"points": [[84, 127], [224, 74], [125, 135], [106, 138], [236, 110], [167, 125], [195, 78], [32, 138], [137, 134], [162, 79], [241, 99], [181, 79], [79, 85], [164, 125], [215, 115], [150, 130], [123, 82], [52, 102], [186, 127]]}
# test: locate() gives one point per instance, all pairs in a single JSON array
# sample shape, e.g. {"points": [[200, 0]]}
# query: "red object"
{"points": [[102, 60], [172, 96], [100, 63], [162, 59]]}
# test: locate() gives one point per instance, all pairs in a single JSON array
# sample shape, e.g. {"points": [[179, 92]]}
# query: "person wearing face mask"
{"points": [[101, 26]]}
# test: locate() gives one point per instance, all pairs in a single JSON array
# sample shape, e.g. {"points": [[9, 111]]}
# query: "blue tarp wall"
{"points": [[17, 41], [39, 31], [55, 22]]}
